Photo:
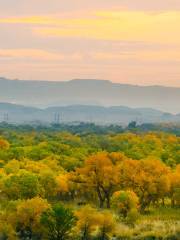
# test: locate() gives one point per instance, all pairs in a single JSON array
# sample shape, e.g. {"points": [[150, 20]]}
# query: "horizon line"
{"points": [[86, 79]]}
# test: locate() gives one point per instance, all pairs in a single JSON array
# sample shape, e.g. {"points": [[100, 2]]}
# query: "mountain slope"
{"points": [[81, 113], [89, 92]]}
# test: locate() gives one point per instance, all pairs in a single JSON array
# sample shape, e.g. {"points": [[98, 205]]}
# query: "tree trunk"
{"points": [[101, 198], [163, 202], [108, 201]]}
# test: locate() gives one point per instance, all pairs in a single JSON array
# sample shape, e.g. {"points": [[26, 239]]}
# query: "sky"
{"points": [[125, 41]]}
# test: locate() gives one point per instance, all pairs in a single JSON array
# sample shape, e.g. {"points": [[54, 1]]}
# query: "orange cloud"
{"points": [[126, 26], [109, 25]]}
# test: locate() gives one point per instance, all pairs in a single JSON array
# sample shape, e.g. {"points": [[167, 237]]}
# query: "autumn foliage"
{"points": [[56, 185]]}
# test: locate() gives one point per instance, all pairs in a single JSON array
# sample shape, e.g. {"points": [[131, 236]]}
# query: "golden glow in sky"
{"points": [[138, 46]]}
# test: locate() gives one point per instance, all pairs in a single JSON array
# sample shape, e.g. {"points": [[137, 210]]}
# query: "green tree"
{"points": [[58, 222], [22, 185]]}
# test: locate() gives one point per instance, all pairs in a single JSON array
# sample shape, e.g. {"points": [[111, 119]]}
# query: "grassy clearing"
{"points": [[161, 223], [162, 214]]}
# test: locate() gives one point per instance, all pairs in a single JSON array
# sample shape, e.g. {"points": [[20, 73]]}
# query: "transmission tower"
{"points": [[57, 118]]}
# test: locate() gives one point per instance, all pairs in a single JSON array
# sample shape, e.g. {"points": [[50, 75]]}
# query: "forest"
{"points": [[89, 183]]}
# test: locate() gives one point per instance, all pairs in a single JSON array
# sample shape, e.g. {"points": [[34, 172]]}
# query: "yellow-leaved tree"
{"points": [[101, 175]]}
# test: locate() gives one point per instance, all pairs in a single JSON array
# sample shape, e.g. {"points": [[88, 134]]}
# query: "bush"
{"points": [[124, 202]]}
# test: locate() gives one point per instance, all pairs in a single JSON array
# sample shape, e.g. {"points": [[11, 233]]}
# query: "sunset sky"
{"points": [[125, 41]]}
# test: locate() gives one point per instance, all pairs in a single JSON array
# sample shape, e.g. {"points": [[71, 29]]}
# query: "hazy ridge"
{"points": [[80, 113], [89, 92]]}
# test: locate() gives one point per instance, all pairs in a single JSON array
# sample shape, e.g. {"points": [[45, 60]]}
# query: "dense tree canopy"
{"points": [[61, 185]]}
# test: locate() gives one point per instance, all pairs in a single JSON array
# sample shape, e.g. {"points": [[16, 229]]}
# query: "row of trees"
{"points": [[102, 174], [37, 146], [106, 173]]}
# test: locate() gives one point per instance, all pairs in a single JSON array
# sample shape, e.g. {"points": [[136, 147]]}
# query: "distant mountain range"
{"points": [[13, 113], [90, 92]]}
